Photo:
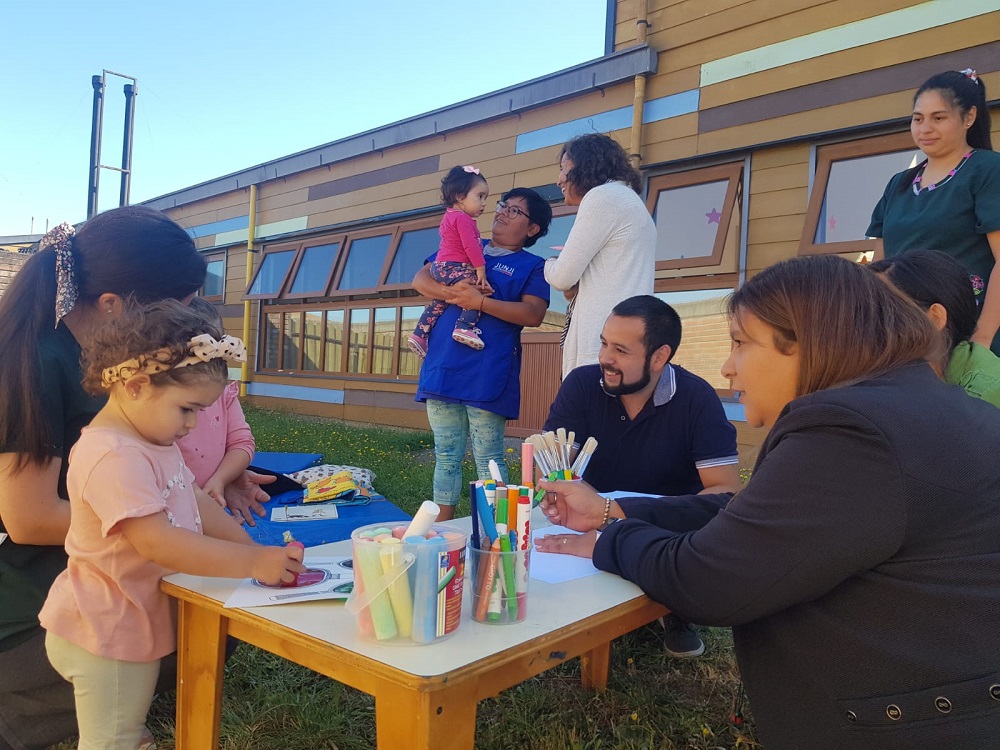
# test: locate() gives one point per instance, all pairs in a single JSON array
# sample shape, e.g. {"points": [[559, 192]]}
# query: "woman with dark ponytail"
{"points": [[76, 282], [951, 201]]}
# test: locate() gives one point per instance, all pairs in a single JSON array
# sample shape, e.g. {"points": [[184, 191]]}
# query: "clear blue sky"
{"points": [[227, 85]]}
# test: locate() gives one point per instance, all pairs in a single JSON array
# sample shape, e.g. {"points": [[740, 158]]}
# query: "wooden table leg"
{"points": [[443, 719], [200, 658], [594, 666]]}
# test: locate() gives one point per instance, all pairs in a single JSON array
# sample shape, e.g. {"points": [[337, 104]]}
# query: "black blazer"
{"points": [[859, 568]]}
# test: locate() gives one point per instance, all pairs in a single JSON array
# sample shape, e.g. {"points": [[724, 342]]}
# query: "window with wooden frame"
{"points": [[345, 264], [417, 241], [314, 265], [269, 279], [214, 288], [850, 179], [697, 217], [366, 339]]}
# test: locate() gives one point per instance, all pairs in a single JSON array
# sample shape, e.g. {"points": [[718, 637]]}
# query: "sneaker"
{"points": [[680, 639], [417, 344], [469, 337]]}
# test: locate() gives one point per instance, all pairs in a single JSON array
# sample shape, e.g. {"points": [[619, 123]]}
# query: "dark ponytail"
{"points": [[132, 252], [964, 90]]}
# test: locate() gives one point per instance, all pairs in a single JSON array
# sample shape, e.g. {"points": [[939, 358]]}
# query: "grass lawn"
{"points": [[652, 700]]}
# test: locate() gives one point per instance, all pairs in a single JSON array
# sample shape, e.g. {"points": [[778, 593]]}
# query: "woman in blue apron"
{"points": [[477, 391]]}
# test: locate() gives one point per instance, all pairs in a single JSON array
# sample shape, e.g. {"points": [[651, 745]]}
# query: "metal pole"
{"points": [[95, 145], [130, 93]]}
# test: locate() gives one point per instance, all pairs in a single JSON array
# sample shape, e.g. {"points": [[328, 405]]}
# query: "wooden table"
{"points": [[431, 692]]}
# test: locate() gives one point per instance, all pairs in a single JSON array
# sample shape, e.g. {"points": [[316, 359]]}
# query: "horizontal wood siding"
{"points": [[541, 374], [779, 179]]}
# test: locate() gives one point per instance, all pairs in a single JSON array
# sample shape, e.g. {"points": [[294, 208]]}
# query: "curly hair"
{"points": [[598, 158], [457, 184], [145, 329]]}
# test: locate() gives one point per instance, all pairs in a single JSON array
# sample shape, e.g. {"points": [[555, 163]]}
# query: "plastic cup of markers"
{"points": [[407, 592], [498, 583]]}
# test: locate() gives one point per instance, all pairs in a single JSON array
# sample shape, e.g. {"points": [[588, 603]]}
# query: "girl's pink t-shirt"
{"points": [[460, 241], [108, 600], [221, 427]]}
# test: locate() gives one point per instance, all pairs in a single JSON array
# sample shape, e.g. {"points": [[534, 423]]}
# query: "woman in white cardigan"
{"points": [[609, 255]]}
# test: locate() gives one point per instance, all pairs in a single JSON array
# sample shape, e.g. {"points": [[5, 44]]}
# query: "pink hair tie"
{"points": [[471, 170], [971, 74]]}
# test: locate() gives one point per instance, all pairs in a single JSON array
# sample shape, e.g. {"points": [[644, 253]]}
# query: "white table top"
{"points": [[550, 607]]}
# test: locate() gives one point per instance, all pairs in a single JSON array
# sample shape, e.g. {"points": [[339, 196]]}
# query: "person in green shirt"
{"points": [[940, 286], [951, 201]]}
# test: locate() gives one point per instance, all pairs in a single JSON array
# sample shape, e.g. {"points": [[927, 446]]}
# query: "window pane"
{"points": [[215, 284], [364, 262], [314, 269], [357, 351], [854, 187], [414, 247], [272, 327], [409, 363], [384, 340], [705, 341], [334, 340], [290, 341], [688, 220], [273, 269], [313, 340], [548, 247]]}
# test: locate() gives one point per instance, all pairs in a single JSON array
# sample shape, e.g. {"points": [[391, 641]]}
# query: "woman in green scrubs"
{"points": [[951, 201]]}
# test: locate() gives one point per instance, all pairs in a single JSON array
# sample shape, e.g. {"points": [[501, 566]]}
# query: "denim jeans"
{"points": [[452, 424]]}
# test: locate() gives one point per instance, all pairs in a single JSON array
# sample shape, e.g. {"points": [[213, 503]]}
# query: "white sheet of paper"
{"points": [[290, 513], [3, 538], [339, 572], [552, 567]]}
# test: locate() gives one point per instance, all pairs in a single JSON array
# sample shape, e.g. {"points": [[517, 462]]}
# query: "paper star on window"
{"points": [[714, 217]]}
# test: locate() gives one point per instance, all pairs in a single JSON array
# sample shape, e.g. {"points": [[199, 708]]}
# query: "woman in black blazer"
{"points": [[860, 566]]}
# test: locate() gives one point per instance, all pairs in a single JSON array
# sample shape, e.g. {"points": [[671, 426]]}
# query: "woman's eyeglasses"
{"points": [[510, 210]]}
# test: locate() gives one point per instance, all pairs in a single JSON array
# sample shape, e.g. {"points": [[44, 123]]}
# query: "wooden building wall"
{"points": [[746, 111]]}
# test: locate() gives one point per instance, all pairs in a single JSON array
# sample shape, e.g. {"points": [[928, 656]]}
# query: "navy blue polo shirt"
{"points": [[681, 429]]}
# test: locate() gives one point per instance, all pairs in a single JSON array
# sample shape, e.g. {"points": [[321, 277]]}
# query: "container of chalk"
{"points": [[408, 580]]}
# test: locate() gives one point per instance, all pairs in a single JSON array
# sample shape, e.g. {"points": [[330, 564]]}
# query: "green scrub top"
{"points": [[953, 216]]}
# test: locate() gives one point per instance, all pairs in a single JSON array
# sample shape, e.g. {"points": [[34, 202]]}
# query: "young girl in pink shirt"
{"points": [[460, 256], [220, 448], [136, 516]]}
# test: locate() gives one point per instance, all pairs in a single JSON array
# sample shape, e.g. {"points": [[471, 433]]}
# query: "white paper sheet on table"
{"points": [[337, 584], [552, 567]]}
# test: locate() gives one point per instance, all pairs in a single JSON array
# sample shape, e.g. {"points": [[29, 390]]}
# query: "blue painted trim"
{"points": [[296, 392], [734, 411], [674, 105], [604, 122], [654, 110], [215, 227]]}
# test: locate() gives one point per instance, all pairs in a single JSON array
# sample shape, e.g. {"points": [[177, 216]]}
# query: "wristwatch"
{"points": [[606, 525]]}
